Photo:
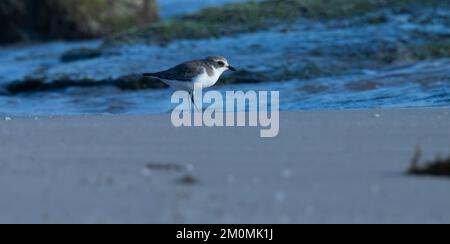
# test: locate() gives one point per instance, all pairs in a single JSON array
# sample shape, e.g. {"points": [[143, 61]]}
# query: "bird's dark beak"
{"points": [[231, 68]]}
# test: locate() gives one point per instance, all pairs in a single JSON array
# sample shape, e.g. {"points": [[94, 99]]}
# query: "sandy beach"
{"points": [[324, 167]]}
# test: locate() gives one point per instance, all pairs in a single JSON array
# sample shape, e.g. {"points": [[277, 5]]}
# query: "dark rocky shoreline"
{"points": [[46, 20]]}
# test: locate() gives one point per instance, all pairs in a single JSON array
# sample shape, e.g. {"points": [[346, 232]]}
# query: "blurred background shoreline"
{"points": [[340, 54], [28, 21]]}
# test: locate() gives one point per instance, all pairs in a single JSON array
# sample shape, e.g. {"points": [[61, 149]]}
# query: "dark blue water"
{"points": [[357, 82], [424, 84]]}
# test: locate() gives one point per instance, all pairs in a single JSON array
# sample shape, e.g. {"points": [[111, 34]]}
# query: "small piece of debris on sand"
{"points": [[187, 180], [437, 167]]}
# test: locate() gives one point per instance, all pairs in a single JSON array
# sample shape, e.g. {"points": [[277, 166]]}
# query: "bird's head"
{"points": [[220, 63]]}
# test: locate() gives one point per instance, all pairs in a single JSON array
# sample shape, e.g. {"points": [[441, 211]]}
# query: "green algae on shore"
{"points": [[252, 16]]}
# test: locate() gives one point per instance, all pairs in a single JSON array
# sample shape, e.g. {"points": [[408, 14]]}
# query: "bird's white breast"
{"points": [[207, 81]]}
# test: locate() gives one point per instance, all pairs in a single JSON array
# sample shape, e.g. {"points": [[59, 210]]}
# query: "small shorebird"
{"points": [[192, 75]]}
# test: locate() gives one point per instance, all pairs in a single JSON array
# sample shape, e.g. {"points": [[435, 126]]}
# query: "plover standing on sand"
{"points": [[192, 75]]}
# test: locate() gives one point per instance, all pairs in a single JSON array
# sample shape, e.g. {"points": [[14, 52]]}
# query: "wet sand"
{"points": [[324, 167]]}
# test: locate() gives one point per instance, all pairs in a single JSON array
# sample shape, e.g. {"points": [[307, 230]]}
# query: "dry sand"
{"points": [[324, 167]]}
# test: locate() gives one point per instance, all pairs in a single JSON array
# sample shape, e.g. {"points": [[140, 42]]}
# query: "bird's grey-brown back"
{"points": [[186, 71]]}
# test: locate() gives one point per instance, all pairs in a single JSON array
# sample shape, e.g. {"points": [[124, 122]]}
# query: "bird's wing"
{"points": [[183, 72]]}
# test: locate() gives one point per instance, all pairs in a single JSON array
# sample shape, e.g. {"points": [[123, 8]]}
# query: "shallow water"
{"points": [[424, 84], [363, 83]]}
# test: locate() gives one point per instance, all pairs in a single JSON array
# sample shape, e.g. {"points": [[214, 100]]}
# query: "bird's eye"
{"points": [[221, 63]]}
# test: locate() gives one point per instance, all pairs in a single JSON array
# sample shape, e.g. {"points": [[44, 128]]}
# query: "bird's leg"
{"points": [[193, 100], [190, 99]]}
